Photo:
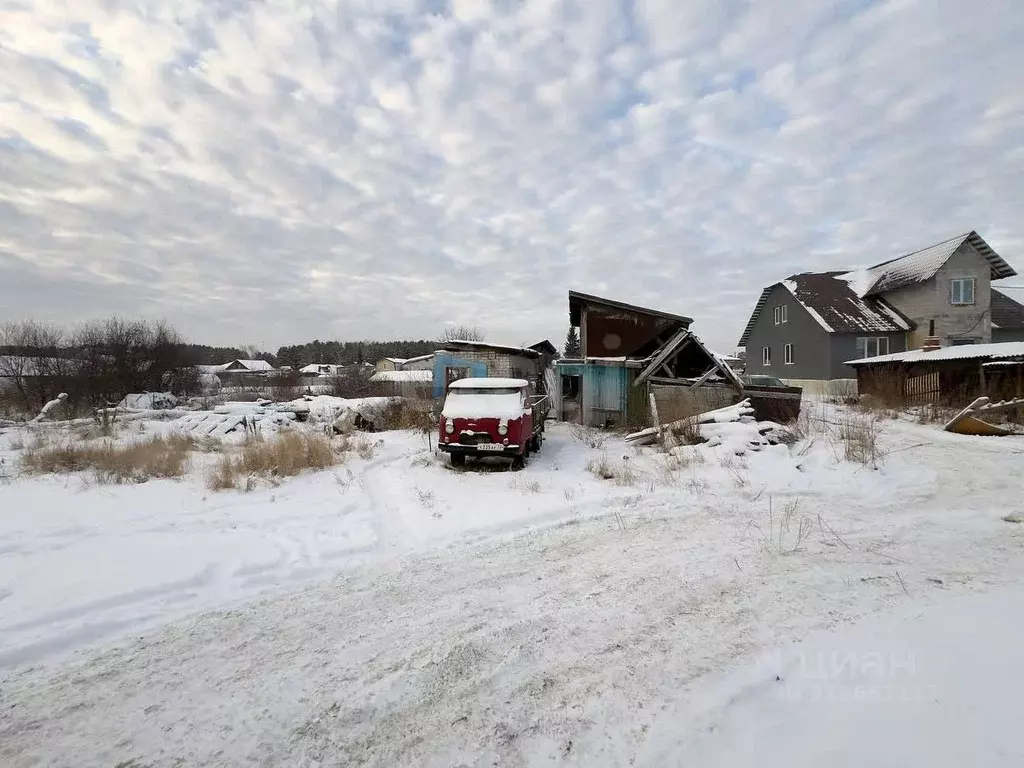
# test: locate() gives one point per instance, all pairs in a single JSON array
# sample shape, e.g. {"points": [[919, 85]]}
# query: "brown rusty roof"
{"points": [[1006, 312]]}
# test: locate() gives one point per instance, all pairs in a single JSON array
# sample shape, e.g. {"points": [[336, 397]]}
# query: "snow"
{"points": [[1001, 350], [859, 280], [495, 405], [396, 612], [403, 376], [937, 686], [253, 366], [492, 383], [321, 369], [148, 401]]}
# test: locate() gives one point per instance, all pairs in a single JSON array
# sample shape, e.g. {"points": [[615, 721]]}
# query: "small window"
{"points": [[789, 354], [961, 291], [766, 355], [782, 314], [872, 346]]}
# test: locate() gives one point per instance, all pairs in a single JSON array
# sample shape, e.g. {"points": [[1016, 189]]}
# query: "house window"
{"points": [[766, 355], [872, 346], [961, 291], [782, 314], [789, 354], [965, 341]]}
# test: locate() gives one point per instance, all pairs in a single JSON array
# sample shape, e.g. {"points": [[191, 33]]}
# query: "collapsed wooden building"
{"points": [[629, 354]]}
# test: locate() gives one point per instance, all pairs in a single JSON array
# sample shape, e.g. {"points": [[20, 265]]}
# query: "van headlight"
{"points": [[502, 430], [449, 427]]}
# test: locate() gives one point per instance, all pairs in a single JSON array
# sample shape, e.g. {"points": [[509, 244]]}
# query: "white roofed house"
{"points": [[805, 329], [320, 370], [245, 372]]}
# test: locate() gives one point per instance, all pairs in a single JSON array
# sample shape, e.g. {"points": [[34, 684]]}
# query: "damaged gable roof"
{"points": [[919, 266], [830, 298], [1006, 312]]}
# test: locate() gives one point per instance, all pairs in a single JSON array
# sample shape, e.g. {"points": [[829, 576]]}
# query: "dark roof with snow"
{"points": [[1006, 312], [831, 300], [920, 266]]}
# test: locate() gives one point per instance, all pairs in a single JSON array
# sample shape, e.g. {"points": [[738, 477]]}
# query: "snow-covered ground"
{"points": [[395, 612]]}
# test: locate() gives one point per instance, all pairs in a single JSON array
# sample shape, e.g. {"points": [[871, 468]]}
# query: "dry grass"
{"points": [[787, 530], [621, 473], [858, 436], [590, 437], [285, 455], [110, 463]]}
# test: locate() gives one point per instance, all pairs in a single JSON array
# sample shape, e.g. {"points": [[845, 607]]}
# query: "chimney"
{"points": [[931, 344]]}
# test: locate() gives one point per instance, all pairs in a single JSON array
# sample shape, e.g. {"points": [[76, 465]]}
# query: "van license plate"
{"points": [[490, 447]]}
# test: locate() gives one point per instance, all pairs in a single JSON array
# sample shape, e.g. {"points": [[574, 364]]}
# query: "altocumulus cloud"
{"points": [[274, 171]]}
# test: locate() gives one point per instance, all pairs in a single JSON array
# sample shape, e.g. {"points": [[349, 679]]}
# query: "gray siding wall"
{"points": [[1007, 334], [930, 301], [844, 347], [810, 341]]}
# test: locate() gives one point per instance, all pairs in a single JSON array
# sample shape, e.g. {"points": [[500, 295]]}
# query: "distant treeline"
{"points": [[349, 352]]}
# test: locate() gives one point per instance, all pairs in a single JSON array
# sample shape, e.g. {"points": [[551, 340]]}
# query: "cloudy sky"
{"points": [[270, 171]]}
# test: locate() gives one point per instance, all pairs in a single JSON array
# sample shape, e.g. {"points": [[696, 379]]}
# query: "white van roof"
{"points": [[489, 384]]}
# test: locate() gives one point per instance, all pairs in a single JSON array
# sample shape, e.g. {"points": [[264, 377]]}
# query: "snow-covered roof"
{"points": [[851, 301], [488, 383], [396, 360], [457, 344], [321, 368], [402, 376], [922, 265], [253, 366], [1000, 351], [419, 359]]}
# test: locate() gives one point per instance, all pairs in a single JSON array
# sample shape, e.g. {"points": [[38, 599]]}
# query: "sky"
{"points": [[273, 171]]}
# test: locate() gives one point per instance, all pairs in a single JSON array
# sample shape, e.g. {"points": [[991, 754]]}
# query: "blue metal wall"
{"points": [[477, 370], [604, 392]]}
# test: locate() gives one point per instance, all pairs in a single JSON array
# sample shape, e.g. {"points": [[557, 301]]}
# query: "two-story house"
{"points": [[806, 327]]}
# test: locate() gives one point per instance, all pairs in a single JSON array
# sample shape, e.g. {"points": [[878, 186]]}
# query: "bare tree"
{"points": [[33, 362], [462, 333]]}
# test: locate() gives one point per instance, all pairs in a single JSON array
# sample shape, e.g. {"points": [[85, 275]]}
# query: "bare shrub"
{"points": [[407, 414], [353, 386], [133, 463]]}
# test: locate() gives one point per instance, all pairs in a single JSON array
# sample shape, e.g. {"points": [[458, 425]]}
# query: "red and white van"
{"points": [[491, 417]]}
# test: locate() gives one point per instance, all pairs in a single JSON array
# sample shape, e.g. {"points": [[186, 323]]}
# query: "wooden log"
{"points": [[724, 415]]}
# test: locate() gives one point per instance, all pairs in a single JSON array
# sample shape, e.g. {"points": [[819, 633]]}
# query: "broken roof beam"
{"points": [[672, 348]]}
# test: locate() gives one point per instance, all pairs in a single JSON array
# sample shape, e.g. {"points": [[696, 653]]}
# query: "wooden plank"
{"points": [[674, 347], [707, 375]]}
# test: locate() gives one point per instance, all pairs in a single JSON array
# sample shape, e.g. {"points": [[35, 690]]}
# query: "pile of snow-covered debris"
{"points": [[733, 427]]}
